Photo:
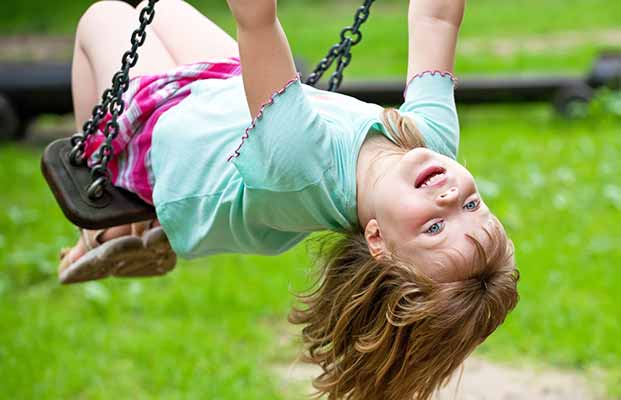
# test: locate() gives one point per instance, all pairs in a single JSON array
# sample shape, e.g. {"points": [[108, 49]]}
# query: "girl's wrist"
{"points": [[258, 26]]}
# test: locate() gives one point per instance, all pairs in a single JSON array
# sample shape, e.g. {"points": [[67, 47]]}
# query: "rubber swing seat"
{"points": [[70, 183]]}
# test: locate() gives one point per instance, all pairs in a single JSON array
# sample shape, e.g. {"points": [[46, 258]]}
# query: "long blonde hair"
{"points": [[381, 329]]}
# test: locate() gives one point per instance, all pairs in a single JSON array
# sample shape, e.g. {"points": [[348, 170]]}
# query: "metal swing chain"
{"points": [[350, 36], [112, 101]]}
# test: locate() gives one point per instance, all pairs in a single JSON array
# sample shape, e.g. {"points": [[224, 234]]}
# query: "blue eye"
{"points": [[435, 228], [471, 205]]}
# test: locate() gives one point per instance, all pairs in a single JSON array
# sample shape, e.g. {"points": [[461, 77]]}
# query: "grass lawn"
{"points": [[213, 327]]}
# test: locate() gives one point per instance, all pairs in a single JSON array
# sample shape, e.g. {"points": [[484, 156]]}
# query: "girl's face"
{"points": [[425, 205]]}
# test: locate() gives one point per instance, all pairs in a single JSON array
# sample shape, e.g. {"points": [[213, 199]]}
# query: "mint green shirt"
{"points": [[293, 174]]}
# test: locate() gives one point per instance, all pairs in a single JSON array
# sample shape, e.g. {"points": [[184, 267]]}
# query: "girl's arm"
{"points": [[433, 28], [267, 62]]}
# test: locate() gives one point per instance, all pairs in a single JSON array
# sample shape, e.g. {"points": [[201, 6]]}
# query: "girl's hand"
{"points": [[252, 14]]}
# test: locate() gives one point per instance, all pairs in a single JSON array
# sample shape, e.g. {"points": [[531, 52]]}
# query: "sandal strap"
{"points": [[139, 228], [92, 238], [63, 252]]}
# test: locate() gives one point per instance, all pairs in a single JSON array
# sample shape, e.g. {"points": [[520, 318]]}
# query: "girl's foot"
{"points": [[89, 240], [140, 249]]}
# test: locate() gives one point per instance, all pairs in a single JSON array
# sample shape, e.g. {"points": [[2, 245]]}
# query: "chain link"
{"points": [[341, 52], [111, 102]]}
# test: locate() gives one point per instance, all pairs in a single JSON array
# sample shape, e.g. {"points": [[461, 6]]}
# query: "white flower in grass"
{"points": [[606, 168], [536, 179], [96, 292], [488, 189], [560, 201], [565, 175], [134, 290], [612, 193]]}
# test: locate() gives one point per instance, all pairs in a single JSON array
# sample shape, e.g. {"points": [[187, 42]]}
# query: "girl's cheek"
{"points": [[414, 216]]}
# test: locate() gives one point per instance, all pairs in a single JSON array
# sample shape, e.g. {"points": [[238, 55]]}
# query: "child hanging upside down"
{"points": [[237, 155]]}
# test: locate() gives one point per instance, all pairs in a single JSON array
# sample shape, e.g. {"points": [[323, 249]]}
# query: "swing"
{"points": [[85, 193]]}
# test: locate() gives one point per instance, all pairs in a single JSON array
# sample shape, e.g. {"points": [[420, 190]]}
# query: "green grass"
{"points": [[212, 328]]}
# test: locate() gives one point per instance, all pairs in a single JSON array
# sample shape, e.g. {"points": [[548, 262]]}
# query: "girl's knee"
{"points": [[160, 4], [142, 5], [100, 12]]}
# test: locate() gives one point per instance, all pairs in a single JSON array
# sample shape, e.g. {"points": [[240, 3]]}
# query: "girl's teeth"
{"points": [[432, 180]]}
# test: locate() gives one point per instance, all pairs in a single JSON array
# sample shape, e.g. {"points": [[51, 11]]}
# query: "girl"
{"points": [[238, 156]]}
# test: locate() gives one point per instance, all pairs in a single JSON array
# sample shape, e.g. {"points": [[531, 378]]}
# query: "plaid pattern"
{"points": [[146, 99]]}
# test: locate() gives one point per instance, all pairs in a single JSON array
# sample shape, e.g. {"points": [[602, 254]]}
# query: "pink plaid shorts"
{"points": [[146, 99]]}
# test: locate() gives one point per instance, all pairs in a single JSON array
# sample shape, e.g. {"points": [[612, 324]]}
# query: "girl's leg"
{"points": [[102, 37], [83, 87], [188, 35]]}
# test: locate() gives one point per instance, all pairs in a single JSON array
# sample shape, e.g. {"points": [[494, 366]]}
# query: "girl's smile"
{"points": [[431, 177]]}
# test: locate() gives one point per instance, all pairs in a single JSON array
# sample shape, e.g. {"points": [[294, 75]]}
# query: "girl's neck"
{"points": [[376, 156]]}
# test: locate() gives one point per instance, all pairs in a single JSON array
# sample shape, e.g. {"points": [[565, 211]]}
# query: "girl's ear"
{"points": [[375, 240]]}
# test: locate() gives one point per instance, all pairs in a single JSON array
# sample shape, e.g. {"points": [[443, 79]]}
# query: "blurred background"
{"points": [[216, 328]]}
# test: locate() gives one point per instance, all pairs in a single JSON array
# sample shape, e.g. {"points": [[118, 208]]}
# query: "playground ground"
{"points": [[215, 328]]}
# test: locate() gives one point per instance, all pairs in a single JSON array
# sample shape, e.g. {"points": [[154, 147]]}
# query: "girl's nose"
{"points": [[448, 197]]}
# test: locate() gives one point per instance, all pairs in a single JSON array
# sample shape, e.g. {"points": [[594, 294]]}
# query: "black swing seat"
{"points": [[70, 184]]}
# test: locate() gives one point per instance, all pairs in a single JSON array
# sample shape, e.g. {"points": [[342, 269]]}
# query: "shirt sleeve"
{"points": [[430, 102], [287, 145]]}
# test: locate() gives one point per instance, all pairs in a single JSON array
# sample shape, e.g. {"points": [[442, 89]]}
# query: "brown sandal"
{"points": [[146, 252]]}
